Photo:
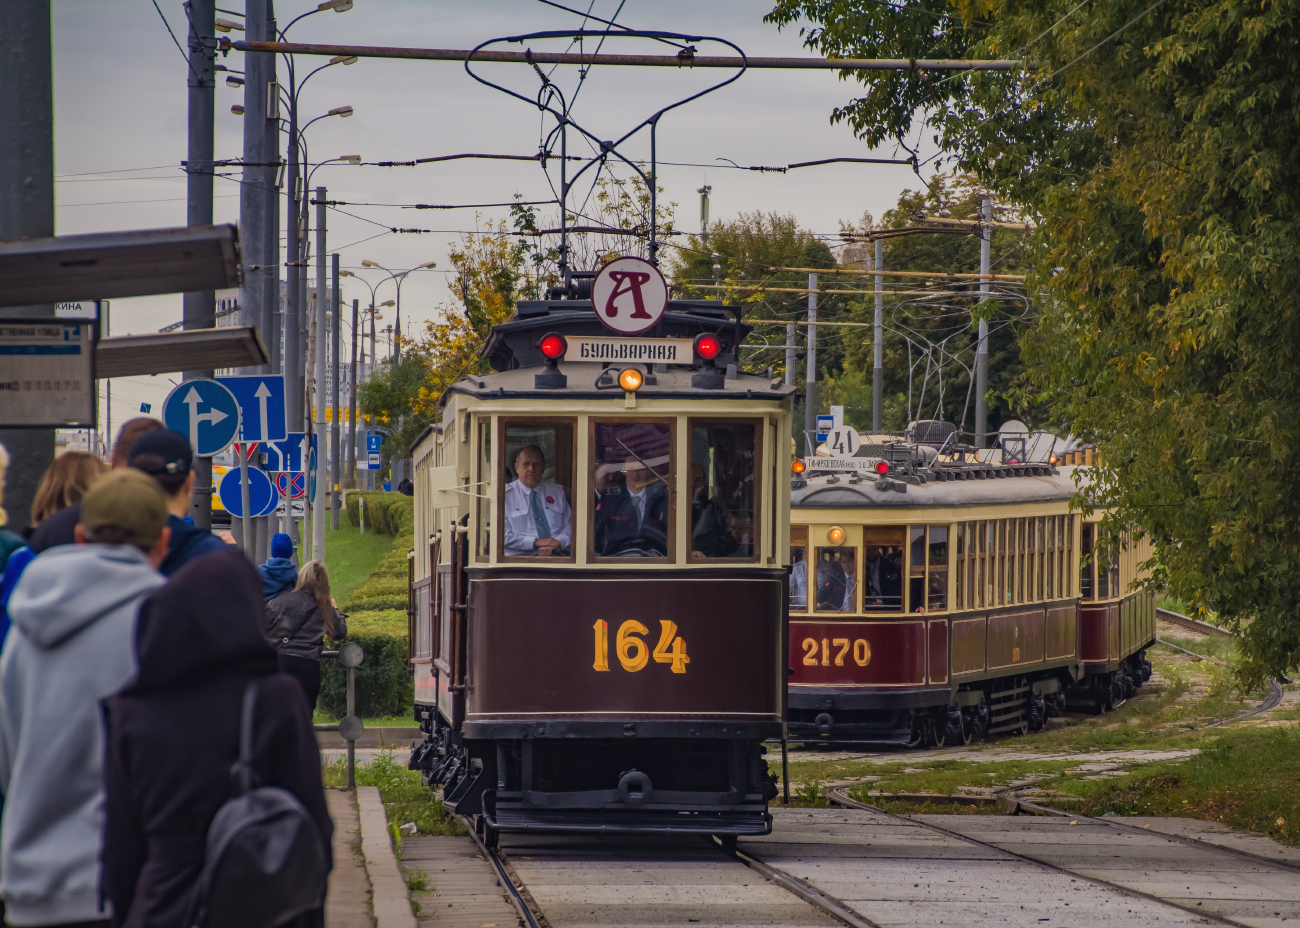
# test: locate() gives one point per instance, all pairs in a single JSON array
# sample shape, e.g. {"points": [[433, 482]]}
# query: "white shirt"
{"points": [[799, 585], [520, 527]]}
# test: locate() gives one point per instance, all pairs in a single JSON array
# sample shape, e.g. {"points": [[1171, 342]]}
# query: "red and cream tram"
{"points": [[600, 580], [934, 599]]}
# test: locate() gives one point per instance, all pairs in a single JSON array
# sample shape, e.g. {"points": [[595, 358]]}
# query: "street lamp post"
{"points": [[399, 277]]}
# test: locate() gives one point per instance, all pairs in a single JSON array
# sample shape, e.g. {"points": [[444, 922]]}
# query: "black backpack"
{"points": [[265, 863]]}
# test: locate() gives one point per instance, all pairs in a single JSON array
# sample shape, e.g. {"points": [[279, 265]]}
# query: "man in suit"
{"points": [[632, 512], [538, 520], [882, 581]]}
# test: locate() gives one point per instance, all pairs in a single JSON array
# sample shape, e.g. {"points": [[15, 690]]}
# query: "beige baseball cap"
{"points": [[131, 501]]}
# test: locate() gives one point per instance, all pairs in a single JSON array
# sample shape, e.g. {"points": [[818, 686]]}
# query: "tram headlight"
{"points": [[630, 379], [798, 466], [835, 535]]}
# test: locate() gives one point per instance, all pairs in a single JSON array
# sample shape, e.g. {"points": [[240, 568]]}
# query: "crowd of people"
{"points": [[138, 651]]}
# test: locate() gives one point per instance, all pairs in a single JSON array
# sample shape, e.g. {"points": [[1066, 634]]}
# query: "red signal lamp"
{"points": [[707, 347], [882, 467], [552, 346]]}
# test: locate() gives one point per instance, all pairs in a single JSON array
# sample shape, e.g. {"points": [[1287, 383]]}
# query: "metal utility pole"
{"points": [[318, 396], [878, 347], [26, 204], [789, 354], [255, 193], [704, 212], [982, 348], [336, 323], [292, 320], [810, 382], [352, 402], [200, 308]]}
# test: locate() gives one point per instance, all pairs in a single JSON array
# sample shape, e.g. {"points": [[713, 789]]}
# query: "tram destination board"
{"points": [[47, 373], [647, 350]]}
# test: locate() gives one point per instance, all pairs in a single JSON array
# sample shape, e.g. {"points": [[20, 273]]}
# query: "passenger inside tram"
{"points": [[882, 579], [632, 505], [798, 578], [836, 579], [538, 519], [711, 534]]}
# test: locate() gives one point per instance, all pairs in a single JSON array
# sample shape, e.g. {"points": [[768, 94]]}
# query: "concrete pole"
{"points": [[26, 204], [810, 383], [878, 344], [336, 481], [352, 402], [200, 308], [292, 319], [319, 398], [789, 354], [254, 192], [982, 347]]}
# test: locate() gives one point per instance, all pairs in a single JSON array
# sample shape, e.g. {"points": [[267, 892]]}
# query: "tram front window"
{"points": [[632, 472], [798, 568], [837, 579], [882, 569], [538, 476], [722, 489]]}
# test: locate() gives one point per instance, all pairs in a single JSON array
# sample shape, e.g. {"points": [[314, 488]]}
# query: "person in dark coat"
{"points": [[279, 573], [166, 456], [173, 736], [297, 623]]}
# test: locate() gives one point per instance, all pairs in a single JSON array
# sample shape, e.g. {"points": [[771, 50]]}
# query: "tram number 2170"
{"points": [[819, 653], [633, 652]]}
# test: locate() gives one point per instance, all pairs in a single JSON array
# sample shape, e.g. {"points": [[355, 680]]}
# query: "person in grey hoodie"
{"points": [[72, 645]]}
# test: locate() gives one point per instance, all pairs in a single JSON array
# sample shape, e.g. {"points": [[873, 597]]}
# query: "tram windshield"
{"points": [[632, 473], [882, 569], [722, 489], [799, 567], [538, 480]]}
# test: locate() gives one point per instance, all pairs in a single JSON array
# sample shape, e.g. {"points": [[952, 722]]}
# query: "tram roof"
{"points": [[836, 491]]}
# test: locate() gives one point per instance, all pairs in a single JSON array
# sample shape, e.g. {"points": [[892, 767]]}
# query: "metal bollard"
{"points": [[350, 727], [361, 508]]}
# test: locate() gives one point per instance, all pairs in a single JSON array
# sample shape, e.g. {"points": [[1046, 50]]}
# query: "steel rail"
{"points": [[1196, 625], [643, 61], [809, 894], [840, 798], [526, 913]]}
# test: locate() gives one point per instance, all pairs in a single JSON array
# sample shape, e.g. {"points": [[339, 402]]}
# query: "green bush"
{"points": [[383, 686], [386, 513]]}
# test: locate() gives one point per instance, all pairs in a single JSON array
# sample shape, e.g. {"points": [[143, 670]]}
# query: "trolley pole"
{"points": [[200, 308], [26, 203], [318, 395], [982, 348], [878, 346], [335, 324], [352, 402], [810, 382]]}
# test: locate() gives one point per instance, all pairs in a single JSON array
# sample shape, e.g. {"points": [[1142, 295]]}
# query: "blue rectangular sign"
{"points": [[374, 443], [261, 405]]}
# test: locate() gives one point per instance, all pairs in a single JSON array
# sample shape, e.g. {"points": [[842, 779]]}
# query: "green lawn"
{"points": [[351, 556]]}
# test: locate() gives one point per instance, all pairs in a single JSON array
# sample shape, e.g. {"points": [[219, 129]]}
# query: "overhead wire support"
{"points": [[684, 59]]}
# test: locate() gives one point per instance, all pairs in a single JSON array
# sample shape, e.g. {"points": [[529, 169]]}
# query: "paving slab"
{"points": [[390, 900], [463, 891], [930, 878], [347, 905], [1246, 891], [1218, 834], [647, 882]]}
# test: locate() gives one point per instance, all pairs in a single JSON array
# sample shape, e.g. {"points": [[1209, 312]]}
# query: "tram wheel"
{"points": [[938, 733], [917, 737], [967, 729]]}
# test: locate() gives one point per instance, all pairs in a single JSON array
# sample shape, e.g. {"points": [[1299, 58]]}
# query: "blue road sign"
{"points": [[311, 473], [824, 426], [261, 405], [374, 442], [205, 412], [261, 493], [287, 454]]}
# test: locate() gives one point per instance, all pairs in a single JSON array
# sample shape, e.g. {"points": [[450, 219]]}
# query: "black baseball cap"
{"points": [[162, 453]]}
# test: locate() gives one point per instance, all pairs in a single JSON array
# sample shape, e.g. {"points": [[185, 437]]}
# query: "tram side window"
{"points": [[1115, 588], [928, 586], [959, 590], [483, 501], [537, 503], [837, 579], [882, 569], [631, 474], [722, 474], [984, 585], [1049, 568], [798, 568], [1086, 562]]}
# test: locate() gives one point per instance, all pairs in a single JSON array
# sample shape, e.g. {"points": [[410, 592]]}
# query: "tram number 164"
{"points": [[861, 652], [633, 653]]}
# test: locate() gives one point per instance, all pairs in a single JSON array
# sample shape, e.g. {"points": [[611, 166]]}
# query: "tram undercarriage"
{"points": [[651, 785], [1014, 704]]}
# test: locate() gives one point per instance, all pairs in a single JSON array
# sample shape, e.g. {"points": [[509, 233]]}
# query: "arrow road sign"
{"points": [[204, 411], [374, 442], [261, 494], [287, 454], [261, 405]]}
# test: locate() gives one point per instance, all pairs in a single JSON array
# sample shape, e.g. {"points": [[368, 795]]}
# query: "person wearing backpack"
{"points": [[173, 763]]}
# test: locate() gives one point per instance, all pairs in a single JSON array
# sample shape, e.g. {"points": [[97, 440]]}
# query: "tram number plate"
{"points": [[634, 653], [817, 653]]}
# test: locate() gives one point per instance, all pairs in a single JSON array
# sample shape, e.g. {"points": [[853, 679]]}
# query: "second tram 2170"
{"points": [[600, 578], [935, 597]]}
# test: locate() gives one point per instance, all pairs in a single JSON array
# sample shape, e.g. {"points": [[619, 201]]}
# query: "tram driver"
{"points": [[538, 518], [631, 510]]}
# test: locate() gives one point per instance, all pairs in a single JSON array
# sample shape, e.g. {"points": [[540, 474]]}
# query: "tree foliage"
{"points": [[1156, 145]]}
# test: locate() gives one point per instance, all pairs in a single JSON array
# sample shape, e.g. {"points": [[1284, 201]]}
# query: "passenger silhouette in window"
{"points": [[882, 581], [710, 532], [631, 511]]}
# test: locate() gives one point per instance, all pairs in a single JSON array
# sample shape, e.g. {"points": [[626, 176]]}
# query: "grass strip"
{"points": [[406, 798]]}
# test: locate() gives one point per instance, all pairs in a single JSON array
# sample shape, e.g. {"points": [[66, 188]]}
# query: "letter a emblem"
{"points": [[629, 295]]}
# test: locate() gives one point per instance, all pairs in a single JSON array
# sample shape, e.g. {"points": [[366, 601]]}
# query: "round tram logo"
{"points": [[630, 295]]}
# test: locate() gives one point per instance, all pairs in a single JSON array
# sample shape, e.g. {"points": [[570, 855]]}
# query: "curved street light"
{"points": [[399, 277]]}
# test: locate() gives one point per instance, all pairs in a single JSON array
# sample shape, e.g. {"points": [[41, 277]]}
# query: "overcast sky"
{"points": [[120, 106]]}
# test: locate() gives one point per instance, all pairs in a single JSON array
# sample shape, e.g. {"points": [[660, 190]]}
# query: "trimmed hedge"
{"points": [[386, 513], [383, 686]]}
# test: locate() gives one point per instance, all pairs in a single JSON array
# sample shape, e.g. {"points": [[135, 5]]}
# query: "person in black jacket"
{"points": [[297, 623], [173, 736]]}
